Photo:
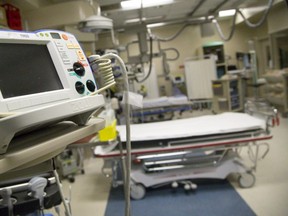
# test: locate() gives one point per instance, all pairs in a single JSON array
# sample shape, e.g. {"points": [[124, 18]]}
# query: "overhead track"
{"points": [[200, 3], [218, 7]]}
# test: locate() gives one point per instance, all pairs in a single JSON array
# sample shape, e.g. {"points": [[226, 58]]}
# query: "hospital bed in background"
{"points": [[178, 151], [162, 108]]}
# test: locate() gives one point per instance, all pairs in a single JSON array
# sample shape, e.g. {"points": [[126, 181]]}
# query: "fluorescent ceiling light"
{"points": [[155, 25], [226, 13], [138, 20], [136, 4]]}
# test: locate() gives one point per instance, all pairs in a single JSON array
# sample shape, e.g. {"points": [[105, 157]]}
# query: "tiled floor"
{"points": [[268, 197]]}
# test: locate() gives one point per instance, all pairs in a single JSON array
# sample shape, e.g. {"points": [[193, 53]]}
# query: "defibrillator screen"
{"points": [[26, 69]]}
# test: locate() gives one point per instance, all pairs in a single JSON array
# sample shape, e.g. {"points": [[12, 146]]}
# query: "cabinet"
{"points": [[217, 49], [227, 95]]}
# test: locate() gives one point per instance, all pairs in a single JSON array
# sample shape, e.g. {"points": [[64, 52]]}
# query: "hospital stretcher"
{"points": [[162, 108], [176, 152]]}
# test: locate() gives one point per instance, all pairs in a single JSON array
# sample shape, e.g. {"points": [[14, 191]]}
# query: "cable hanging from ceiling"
{"points": [[247, 22], [175, 35], [220, 32]]}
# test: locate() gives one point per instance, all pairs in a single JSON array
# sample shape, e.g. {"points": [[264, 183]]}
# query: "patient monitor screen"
{"points": [[26, 69]]}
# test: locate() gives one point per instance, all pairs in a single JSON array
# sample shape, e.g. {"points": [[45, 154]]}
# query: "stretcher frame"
{"points": [[180, 160], [184, 160]]}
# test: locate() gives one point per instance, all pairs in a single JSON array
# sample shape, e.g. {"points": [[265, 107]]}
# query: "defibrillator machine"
{"points": [[44, 78]]}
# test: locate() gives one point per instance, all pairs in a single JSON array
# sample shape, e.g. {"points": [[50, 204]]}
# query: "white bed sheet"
{"points": [[165, 101], [197, 126]]}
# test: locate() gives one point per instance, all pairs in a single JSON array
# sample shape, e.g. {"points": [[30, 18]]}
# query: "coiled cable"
{"points": [[103, 72], [95, 60]]}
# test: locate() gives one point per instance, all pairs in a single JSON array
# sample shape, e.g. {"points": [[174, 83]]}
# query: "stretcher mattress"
{"points": [[165, 101], [196, 126]]}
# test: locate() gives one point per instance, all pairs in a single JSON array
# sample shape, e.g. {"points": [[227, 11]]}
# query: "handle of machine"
{"points": [[6, 199], [37, 186]]}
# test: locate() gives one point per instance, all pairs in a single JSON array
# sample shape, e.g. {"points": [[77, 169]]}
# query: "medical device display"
{"points": [[44, 77]]}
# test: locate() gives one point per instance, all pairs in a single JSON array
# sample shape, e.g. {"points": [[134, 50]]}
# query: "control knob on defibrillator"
{"points": [[79, 69]]}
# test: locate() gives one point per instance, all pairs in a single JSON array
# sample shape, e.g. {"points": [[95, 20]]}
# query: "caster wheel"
{"points": [[138, 191], [71, 179], [174, 185], [82, 171], [187, 187], [246, 180]]}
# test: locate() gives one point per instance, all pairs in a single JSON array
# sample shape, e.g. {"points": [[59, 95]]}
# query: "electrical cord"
{"points": [[128, 141], [219, 30], [66, 207], [247, 22], [103, 71], [175, 35], [171, 49], [263, 18]]}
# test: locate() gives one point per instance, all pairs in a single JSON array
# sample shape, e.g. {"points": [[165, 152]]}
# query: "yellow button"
{"points": [[80, 55], [70, 46]]}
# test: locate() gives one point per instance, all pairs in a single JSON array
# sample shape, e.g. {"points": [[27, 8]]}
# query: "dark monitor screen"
{"points": [[26, 69]]}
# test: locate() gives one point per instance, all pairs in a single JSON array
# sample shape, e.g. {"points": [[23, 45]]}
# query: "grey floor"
{"points": [[268, 197]]}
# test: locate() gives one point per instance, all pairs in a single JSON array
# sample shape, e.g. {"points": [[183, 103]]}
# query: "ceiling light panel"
{"points": [[156, 11], [136, 4], [184, 7], [227, 13]]}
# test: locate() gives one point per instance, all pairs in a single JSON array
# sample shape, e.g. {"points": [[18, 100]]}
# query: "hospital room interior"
{"points": [[143, 108]]}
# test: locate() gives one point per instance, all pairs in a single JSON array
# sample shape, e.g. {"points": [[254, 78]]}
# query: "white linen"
{"points": [[197, 126], [165, 101]]}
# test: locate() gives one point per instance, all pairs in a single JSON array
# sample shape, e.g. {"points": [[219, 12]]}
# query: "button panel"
{"points": [[73, 61]]}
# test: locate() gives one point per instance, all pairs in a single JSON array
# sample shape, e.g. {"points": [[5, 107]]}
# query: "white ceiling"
{"points": [[178, 11]]}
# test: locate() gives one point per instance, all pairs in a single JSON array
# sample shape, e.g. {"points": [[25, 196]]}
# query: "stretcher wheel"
{"points": [[246, 180], [137, 192], [71, 178]]}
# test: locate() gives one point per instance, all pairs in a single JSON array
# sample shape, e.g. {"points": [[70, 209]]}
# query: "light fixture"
{"points": [[143, 19], [226, 13], [155, 25], [136, 20], [136, 4], [95, 23]]}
